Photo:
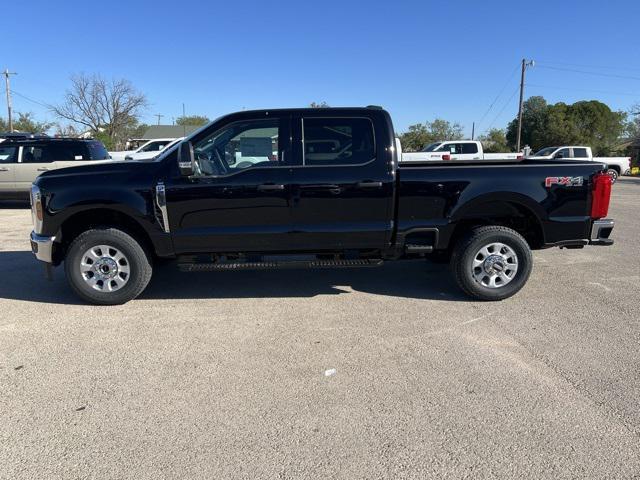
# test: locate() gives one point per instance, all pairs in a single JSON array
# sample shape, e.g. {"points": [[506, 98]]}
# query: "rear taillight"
{"points": [[446, 156], [519, 157], [600, 195]]}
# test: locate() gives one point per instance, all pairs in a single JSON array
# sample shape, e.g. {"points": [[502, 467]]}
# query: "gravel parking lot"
{"points": [[224, 374]]}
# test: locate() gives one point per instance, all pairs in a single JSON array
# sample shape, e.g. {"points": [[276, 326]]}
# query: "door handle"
{"points": [[369, 184], [4, 169], [43, 169], [269, 187]]}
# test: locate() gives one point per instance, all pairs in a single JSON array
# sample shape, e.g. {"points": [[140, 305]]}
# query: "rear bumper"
{"points": [[601, 231], [42, 247]]}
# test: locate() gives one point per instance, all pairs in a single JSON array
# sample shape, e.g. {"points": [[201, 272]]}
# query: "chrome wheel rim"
{"points": [[105, 268], [495, 265]]}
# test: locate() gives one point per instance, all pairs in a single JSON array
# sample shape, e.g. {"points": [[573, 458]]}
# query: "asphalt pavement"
{"points": [[353, 374]]}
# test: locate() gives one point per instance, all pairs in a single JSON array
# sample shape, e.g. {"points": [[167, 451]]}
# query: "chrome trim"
{"points": [[45, 247], [161, 201], [36, 197], [598, 225]]}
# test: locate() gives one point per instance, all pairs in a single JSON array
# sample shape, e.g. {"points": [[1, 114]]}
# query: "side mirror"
{"points": [[559, 155], [186, 160]]}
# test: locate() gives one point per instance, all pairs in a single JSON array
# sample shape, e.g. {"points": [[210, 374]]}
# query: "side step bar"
{"points": [[210, 266]]}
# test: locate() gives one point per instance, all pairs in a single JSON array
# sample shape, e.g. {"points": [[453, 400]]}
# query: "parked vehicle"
{"points": [[146, 151], [455, 150], [345, 204], [616, 166], [24, 157]]}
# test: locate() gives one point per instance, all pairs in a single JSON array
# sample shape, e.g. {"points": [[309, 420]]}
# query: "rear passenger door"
{"points": [[343, 183], [34, 159]]}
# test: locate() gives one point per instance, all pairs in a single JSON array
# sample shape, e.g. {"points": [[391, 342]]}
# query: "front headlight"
{"points": [[37, 213]]}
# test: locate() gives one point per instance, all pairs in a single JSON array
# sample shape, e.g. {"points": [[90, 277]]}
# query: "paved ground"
{"points": [[222, 375]]}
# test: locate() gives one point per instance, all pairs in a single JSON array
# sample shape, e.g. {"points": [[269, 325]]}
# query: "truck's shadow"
{"points": [[23, 279]]}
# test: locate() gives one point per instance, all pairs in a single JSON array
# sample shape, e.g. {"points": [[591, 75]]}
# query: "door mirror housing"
{"points": [[186, 159]]}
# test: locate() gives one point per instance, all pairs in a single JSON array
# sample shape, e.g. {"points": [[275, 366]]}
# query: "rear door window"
{"points": [[469, 148], [338, 141], [36, 154], [580, 153], [97, 151]]}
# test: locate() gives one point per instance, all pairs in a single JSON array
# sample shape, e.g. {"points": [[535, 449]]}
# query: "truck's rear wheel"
{"points": [[613, 173], [491, 263], [107, 266]]}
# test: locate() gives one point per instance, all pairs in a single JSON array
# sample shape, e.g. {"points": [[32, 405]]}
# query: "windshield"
{"points": [[545, 151], [431, 147]]}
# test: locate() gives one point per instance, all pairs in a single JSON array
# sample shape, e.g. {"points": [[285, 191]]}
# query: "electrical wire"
{"points": [[515, 69], [582, 65], [611, 75], [609, 92], [503, 108], [13, 92]]}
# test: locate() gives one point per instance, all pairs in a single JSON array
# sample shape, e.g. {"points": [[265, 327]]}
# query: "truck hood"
{"points": [[96, 172]]}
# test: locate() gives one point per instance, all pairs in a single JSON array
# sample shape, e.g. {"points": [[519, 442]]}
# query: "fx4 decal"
{"points": [[563, 181]]}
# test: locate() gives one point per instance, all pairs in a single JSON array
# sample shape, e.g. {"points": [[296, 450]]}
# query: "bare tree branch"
{"points": [[101, 105]]}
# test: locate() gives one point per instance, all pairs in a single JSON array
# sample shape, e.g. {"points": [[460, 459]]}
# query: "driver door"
{"points": [[239, 199]]}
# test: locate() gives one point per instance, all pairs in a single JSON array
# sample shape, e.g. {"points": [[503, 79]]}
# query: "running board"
{"points": [[418, 248], [205, 267]]}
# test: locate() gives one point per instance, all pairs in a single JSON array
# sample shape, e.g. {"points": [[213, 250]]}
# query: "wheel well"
{"points": [[102, 217], [614, 167], [507, 214]]}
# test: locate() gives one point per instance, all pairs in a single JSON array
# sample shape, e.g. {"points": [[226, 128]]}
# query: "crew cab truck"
{"points": [[616, 166], [333, 195], [455, 150]]}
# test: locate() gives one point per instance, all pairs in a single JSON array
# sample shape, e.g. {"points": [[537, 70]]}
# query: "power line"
{"points": [[503, 108], [611, 75], [582, 65], [30, 99], [515, 69], [609, 92]]}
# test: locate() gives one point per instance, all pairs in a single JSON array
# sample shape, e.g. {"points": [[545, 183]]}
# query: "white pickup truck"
{"points": [[616, 166], [146, 151], [456, 150]]}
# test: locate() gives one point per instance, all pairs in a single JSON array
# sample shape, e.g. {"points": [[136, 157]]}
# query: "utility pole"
{"points": [[525, 64], [159, 115], [6, 74], [473, 130]]}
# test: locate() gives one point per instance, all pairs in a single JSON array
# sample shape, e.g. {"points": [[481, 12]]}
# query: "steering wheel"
{"points": [[220, 165]]}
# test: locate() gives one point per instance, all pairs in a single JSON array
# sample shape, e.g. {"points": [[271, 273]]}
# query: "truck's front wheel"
{"points": [[107, 266], [491, 263]]}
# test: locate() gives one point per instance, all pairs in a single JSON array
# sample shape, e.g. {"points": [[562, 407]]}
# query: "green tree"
{"points": [[26, 123], [420, 135], [319, 105], [589, 123], [494, 141], [197, 120]]}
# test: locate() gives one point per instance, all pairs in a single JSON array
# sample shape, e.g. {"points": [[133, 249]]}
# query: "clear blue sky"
{"points": [[420, 59]]}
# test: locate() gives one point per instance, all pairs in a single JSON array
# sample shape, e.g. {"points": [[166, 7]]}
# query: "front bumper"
{"points": [[42, 247], [600, 232]]}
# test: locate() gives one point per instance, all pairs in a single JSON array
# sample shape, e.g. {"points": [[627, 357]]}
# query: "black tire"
{"points": [[138, 262], [469, 246], [613, 173]]}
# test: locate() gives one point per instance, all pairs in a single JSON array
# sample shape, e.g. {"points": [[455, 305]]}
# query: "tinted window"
{"points": [[239, 146], [562, 153], [469, 148], [36, 154], [545, 151], [66, 151], [97, 150], [338, 141], [580, 153], [8, 154]]}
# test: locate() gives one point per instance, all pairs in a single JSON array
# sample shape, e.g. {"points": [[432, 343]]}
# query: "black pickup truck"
{"points": [[310, 188]]}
